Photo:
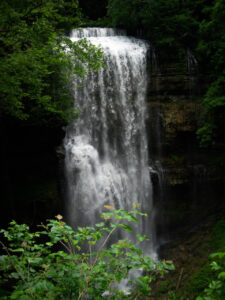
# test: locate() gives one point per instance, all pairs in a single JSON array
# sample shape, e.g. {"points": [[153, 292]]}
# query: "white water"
{"points": [[106, 147]]}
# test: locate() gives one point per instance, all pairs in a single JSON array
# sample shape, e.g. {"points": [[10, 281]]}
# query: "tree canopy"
{"points": [[38, 61], [171, 25]]}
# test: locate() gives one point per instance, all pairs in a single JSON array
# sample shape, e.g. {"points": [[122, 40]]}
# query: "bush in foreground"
{"points": [[52, 263]]}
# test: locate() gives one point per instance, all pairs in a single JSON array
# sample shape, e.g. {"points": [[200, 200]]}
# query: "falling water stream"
{"points": [[106, 147]]}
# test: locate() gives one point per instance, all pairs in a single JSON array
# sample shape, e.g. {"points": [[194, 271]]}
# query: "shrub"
{"points": [[216, 288], [52, 263]]}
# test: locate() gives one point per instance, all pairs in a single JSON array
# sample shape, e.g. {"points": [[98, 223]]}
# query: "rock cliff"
{"points": [[188, 180]]}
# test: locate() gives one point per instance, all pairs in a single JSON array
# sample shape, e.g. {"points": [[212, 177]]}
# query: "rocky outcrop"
{"points": [[173, 119]]}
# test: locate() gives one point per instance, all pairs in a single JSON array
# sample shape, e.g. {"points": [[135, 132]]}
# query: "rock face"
{"points": [[188, 181], [173, 118]]}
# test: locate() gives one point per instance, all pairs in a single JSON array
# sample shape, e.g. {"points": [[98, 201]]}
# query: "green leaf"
{"points": [[49, 244], [169, 266], [17, 250], [141, 238], [221, 275], [126, 227], [218, 254], [133, 219], [215, 266], [34, 260]]}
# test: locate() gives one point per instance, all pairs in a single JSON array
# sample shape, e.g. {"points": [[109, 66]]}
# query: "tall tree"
{"points": [[37, 60]]}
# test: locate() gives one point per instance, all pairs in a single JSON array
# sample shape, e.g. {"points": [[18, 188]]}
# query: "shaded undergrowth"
{"points": [[191, 257]]}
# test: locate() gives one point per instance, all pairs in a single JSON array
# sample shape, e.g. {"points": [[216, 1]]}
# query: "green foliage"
{"points": [[125, 13], [173, 26], [214, 113], [207, 283], [205, 133], [38, 61], [199, 280], [168, 24], [218, 237], [53, 264], [211, 47], [172, 295], [216, 288]]}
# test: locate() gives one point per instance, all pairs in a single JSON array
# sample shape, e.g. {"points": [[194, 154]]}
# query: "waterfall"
{"points": [[106, 147], [192, 68]]}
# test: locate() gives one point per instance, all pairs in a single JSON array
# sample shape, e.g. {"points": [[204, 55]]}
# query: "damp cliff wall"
{"points": [[188, 180]]}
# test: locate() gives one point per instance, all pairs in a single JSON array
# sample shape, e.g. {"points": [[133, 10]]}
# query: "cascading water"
{"points": [[192, 68], [106, 147]]}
